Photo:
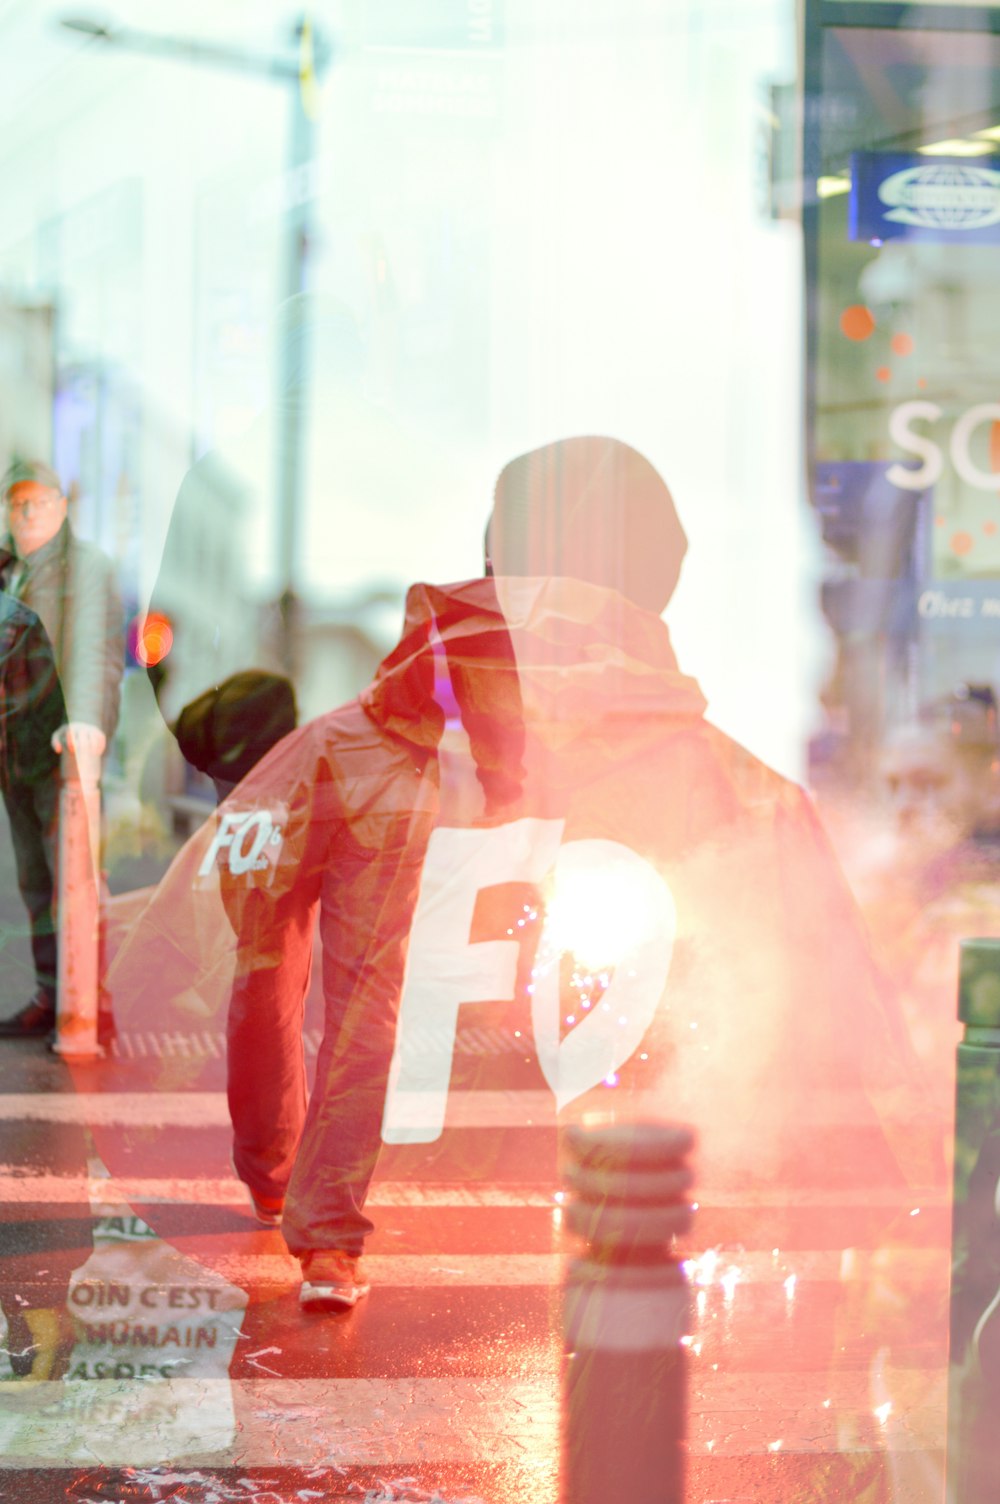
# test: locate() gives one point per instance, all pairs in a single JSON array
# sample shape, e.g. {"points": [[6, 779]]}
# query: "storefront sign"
{"points": [[912, 197], [969, 605], [931, 452]]}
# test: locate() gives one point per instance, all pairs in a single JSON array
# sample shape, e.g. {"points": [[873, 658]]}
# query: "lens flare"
{"points": [[151, 638], [601, 914], [601, 965]]}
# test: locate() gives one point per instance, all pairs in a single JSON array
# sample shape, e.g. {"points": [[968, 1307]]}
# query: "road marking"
{"points": [[208, 1109], [20, 1186], [361, 1422], [719, 1273], [24, 1187], [210, 1044], [413, 1193], [397, 1271], [466, 1109]]}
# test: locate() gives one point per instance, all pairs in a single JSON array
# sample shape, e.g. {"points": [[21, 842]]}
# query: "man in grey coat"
{"points": [[70, 586]]}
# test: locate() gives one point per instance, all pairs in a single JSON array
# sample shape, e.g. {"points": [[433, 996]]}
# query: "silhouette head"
{"points": [[592, 509]]}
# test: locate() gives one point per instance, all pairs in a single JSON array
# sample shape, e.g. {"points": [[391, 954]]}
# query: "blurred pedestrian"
{"points": [[70, 586], [226, 730], [32, 708], [933, 875], [31, 702]]}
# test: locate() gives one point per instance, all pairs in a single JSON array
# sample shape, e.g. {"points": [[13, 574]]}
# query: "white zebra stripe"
{"points": [[22, 1187], [19, 1186], [713, 1271], [205, 1044], [208, 1109], [363, 1422]]}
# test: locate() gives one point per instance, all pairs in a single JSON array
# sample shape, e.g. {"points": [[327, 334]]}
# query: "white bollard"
{"points": [[78, 909]]}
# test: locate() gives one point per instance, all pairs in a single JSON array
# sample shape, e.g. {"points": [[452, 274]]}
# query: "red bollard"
{"points": [[625, 1311], [78, 909]]}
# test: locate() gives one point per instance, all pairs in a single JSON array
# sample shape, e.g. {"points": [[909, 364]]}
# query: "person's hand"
{"points": [[87, 742]]}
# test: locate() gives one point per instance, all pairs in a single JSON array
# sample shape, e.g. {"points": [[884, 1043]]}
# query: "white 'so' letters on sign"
{"points": [[930, 453]]}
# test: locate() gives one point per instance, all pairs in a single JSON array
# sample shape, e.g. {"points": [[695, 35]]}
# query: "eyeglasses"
{"points": [[44, 503]]}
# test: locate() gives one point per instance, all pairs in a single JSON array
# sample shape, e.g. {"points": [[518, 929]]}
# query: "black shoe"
{"points": [[33, 1021]]}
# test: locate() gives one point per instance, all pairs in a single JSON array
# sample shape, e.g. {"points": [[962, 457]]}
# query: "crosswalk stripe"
{"points": [[360, 1422], [20, 1186], [399, 1271], [403, 1193], [25, 1187], [210, 1044], [208, 1109], [723, 1271], [712, 1272]]}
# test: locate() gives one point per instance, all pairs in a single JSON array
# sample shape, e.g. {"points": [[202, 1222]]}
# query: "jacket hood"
{"points": [[555, 662]]}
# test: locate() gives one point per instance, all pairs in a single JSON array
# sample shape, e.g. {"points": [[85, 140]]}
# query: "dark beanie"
{"points": [[593, 509], [227, 730]]}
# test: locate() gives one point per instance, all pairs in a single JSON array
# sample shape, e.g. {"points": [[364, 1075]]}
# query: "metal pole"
{"points": [[184, 49], [78, 909], [974, 1363], [293, 364], [625, 1311], [302, 74]]}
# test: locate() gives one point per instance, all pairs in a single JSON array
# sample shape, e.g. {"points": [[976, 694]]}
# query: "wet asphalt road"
{"points": [[154, 1346]]}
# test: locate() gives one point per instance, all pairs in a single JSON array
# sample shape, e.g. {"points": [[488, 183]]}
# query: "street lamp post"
{"points": [[302, 72]]}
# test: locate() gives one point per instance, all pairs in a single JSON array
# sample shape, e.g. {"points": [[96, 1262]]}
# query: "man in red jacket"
{"points": [[687, 940]]}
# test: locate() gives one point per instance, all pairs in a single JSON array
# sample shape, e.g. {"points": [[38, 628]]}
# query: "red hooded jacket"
{"points": [[526, 732]]}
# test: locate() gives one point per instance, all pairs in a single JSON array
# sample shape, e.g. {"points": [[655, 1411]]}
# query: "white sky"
{"points": [[591, 258]]}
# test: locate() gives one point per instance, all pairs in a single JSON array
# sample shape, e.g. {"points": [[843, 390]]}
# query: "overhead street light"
{"points": [[198, 50], [89, 28]]}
